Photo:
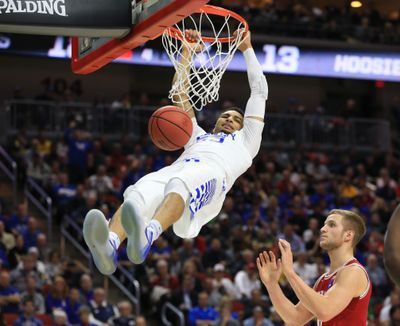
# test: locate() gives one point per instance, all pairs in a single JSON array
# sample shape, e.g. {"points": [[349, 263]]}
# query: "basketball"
{"points": [[170, 128]]}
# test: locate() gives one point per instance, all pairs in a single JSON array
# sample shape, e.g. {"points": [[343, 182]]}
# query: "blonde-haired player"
{"points": [[341, 296], [190, 192]]}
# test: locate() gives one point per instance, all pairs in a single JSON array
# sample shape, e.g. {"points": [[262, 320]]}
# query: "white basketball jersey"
{"points": [[231, 152]]}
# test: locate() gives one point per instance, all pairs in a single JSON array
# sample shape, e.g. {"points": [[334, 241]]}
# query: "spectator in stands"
{"points": [[84, 317], [15, 254], [395, 315], [275, 318], [73, 305], [33, 293], [60, 317], [18, 222], [375, 272], [61, 149], [63, 193], [247, 280], [228, 212], [317, 169], [10, 297], [78, 202], [134, 172], [320, 195], [255, 300], [297, 214], [44, 145], [101, 182], [375, 243], [39, 266], [214, 254], [43, 247], [384, 315], [125, 317], [90, 201], [19, 146], [174, 263], [26, 268], [223, 284], [160, 249], [79, 145], [226, 316], [31, 233], [38, 169], [203, 313], [73, 271], [311, 234], [140, 321], [185, 298], [190, 267], [86, 287], [307, 271], [295, 241], [258, 318], [163, 282], [58, 295], [118, 158], [386, 186], [54, 266], [101, 309], [243, 257], [28, 314], [6, 238]]}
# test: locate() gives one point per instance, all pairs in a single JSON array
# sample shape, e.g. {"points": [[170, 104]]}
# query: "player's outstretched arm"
{"points": [[270, 271], [255, 108], [351, 282], [392, 247], [191, 43]]}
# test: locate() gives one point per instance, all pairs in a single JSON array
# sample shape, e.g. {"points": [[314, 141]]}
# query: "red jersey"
{"points": [[356, 313]]}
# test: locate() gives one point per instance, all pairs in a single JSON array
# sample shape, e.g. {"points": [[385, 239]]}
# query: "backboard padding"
{"points": [[151, 22]]}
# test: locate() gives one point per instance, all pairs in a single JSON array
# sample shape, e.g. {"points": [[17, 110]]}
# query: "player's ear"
{"points": [[349, 235]]}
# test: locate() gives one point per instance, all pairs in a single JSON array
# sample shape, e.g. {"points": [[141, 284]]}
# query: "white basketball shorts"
{"points": [[205, 181]]}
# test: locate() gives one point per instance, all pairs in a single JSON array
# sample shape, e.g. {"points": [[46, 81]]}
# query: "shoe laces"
{"points": [[149, 235]]}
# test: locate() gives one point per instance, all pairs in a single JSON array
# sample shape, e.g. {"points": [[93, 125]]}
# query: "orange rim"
{"points": [[213, 10]]}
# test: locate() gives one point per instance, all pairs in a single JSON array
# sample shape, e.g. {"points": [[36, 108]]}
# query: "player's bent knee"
{"points": [[177, 186], [137, 198]]}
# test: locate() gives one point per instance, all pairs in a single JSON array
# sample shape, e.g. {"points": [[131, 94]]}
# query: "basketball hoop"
{"points": [[198, 80]]}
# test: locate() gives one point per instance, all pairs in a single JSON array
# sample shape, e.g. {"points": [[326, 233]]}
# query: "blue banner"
{"points": [[279, 59]]}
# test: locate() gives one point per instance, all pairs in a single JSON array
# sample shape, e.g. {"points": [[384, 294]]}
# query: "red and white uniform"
{"points": [[356, 313]]}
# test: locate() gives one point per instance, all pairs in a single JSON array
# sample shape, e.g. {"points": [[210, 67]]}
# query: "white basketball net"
{"points": [[198, 80]]}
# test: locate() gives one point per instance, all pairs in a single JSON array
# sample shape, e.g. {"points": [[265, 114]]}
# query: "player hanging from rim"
{"points": [[339, 297], [392, 247], [190, 192]]}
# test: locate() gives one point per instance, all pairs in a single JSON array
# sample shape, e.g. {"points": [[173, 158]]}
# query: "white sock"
{"points": [[114, 238], [156, 228]]}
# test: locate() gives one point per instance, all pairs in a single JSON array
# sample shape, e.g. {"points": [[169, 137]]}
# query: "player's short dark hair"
{"points": [[237, 109]]}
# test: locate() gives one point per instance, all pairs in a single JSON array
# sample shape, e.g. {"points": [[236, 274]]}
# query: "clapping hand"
{"points": [[269, 268], [286, 257]]}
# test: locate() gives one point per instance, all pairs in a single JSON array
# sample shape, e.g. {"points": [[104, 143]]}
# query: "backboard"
{"points": [[149, 20]]}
